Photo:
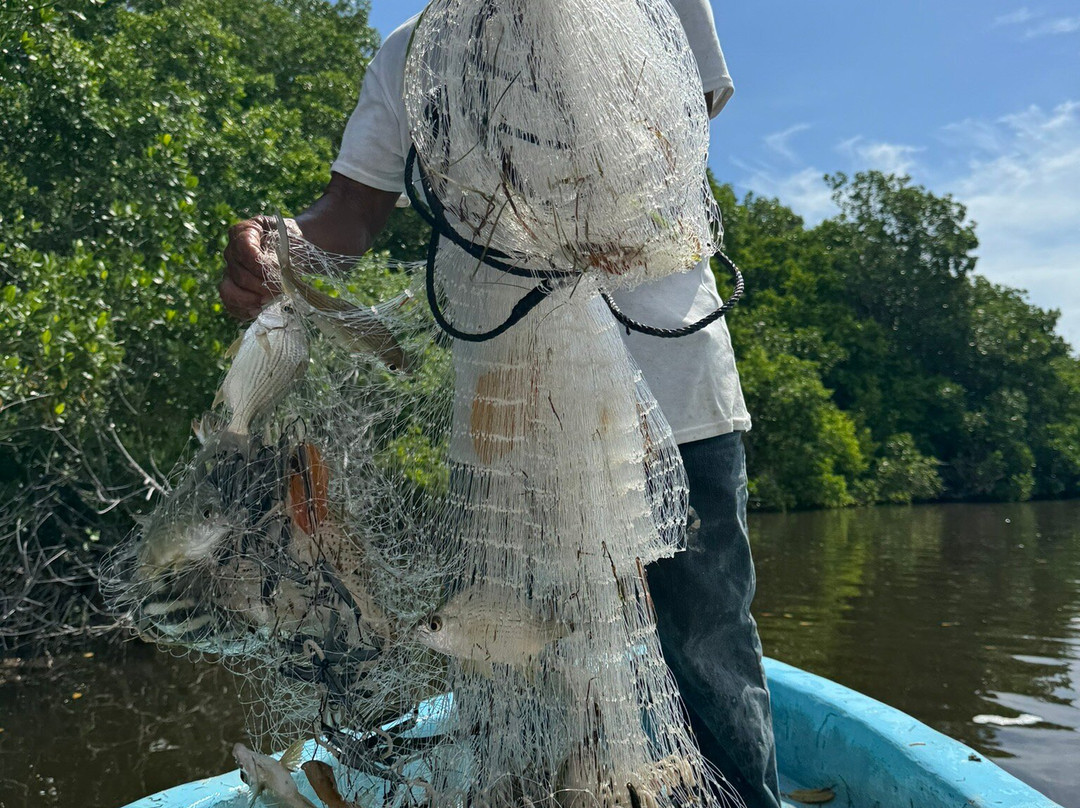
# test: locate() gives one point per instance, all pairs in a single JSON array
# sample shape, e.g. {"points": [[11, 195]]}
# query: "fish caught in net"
{"points": [[378, 513]]}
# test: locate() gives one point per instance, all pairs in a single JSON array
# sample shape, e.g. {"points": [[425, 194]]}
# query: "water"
{"points": [[946, 612]]}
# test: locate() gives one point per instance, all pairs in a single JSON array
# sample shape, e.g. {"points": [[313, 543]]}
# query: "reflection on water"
{"points": [[947, 612], [142, 721]]}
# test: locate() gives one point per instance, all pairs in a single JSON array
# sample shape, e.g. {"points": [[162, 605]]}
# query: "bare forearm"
{"points": [[347, 217]]}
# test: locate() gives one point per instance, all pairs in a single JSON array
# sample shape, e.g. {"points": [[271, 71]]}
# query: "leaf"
{"points": [[813, 796]]}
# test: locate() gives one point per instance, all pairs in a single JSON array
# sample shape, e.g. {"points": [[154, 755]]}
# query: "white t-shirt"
{"points": [[693, 378]]}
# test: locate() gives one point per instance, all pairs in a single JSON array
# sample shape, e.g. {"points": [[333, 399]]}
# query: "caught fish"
{"points": [[189, 529], [176, 620], [489, 624], [321, 776], [268, 357], [357, 328], [309, 480], [580, 783], [264, 773]]}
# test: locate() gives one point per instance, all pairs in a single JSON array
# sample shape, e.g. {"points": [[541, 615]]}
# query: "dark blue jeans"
{"points": [[709, 639]]}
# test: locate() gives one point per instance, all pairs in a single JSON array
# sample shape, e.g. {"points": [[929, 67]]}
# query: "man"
{"points": [[702, 596]]}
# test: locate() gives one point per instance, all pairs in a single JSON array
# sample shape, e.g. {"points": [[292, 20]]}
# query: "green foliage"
{"points": [[134, 134], [879, 368], [902, 473], [803, 451]]}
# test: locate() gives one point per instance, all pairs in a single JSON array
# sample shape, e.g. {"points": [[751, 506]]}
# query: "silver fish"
{"points": [[489, 624], [264, 773], [269, 356], [358, 329], [189, 529], [175, 620]]}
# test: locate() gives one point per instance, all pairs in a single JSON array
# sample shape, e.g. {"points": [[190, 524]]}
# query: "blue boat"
{"points": [[831, 742]]}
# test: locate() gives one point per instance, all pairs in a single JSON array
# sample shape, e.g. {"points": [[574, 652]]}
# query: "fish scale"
{"points": [[270, 356]]}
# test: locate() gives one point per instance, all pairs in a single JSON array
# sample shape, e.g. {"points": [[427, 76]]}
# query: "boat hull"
{"points": [[827, 736]]}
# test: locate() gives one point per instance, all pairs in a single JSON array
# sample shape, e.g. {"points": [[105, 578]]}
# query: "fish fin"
{"points": [[290, 758], [297, 504], [234, 347], [284, 264], [203, 428]]}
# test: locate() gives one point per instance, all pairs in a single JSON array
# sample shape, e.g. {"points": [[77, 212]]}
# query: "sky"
{"points": [[975, 98]]}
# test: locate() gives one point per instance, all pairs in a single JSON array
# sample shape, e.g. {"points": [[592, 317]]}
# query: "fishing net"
{"points": [[377, 513], [570, 133]]}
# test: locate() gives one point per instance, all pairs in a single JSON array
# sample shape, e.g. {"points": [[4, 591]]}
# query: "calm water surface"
{"points": [[947, 612]]}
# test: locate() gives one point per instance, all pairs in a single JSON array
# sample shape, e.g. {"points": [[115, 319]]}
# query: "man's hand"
{"points": [[247, 284], [345, 220]]}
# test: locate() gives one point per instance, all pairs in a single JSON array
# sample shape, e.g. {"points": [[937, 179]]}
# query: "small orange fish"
{"points": [[321, 777], [309, 482]]}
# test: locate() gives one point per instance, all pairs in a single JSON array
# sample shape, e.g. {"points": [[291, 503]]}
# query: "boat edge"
{"points": [[829, 734]]}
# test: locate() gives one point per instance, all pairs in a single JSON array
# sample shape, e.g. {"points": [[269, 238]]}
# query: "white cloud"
{"points": [[892, 158], [1051, 27], [1062, 25], [1018, 17], [1025, 197], [779, 142], [1019, 177], [804, 191]]}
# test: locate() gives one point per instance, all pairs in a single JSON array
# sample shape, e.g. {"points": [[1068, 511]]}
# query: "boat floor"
{"points": [[787, 785]]}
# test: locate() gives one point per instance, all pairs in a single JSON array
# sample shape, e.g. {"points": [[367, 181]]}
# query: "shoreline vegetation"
{"points": [[878, 365]]}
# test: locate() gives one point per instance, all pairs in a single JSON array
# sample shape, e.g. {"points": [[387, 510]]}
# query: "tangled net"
{"points": [[569, 133], [379, 514]]}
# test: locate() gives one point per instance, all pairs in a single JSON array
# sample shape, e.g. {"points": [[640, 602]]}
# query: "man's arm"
{"points": [[345, 219]]}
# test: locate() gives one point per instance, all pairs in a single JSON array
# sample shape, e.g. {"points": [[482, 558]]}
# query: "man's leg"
{"points": [[709, 639]]}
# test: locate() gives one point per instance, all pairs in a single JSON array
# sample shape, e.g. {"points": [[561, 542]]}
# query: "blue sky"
{"points": [[977, 99]]}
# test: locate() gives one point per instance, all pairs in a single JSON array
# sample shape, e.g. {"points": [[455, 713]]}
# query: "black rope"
{"points": [[692, 328], [521, 309], [434, 214]]}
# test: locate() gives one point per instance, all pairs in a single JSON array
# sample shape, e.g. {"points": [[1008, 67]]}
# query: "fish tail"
{"points": [[290, 758]]}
